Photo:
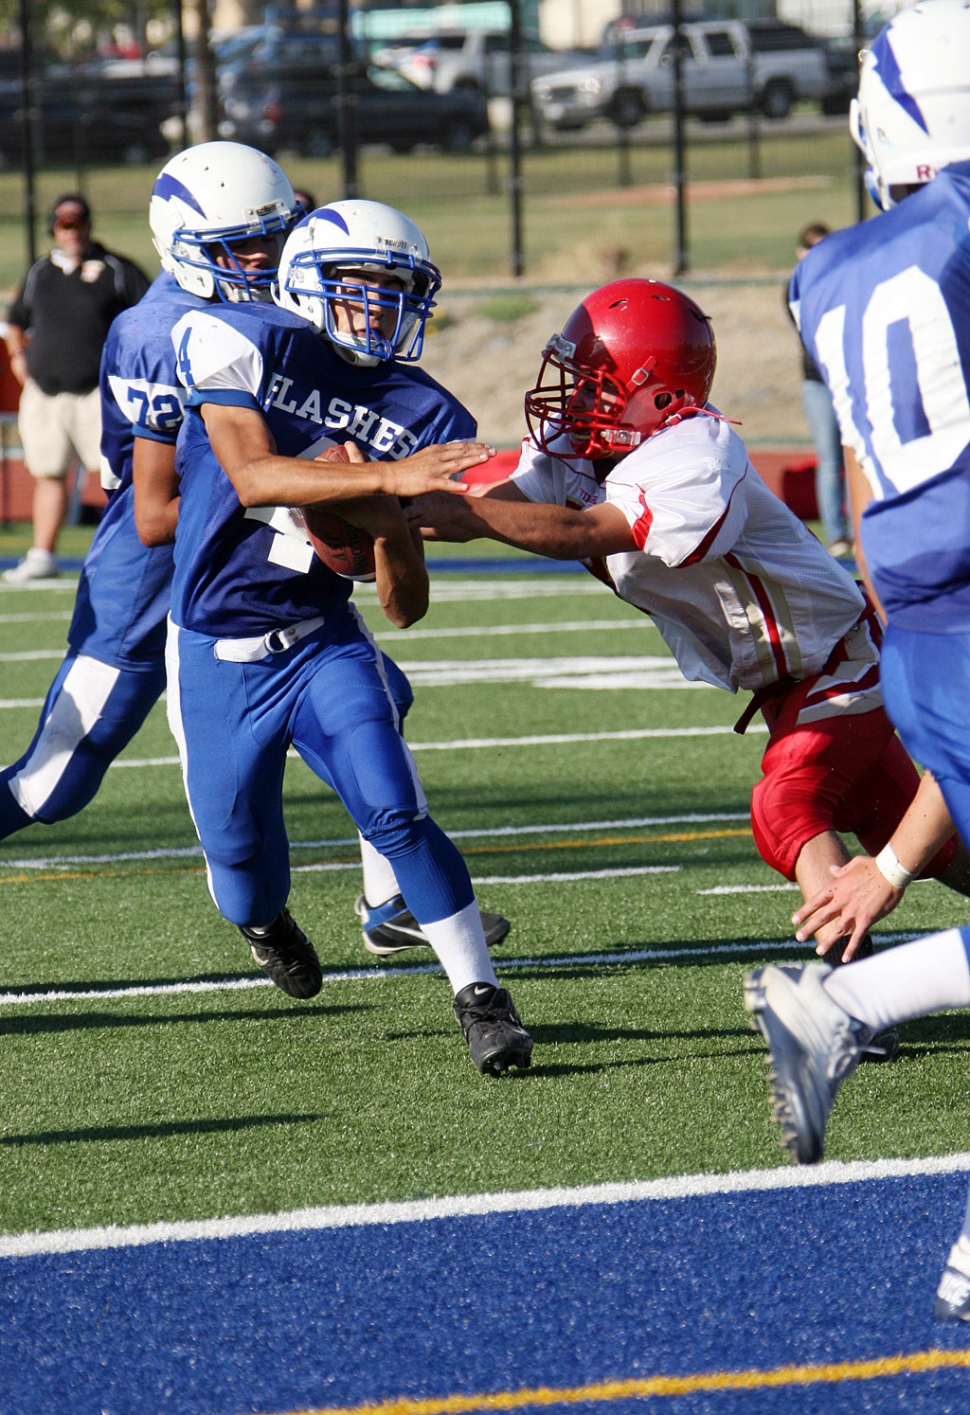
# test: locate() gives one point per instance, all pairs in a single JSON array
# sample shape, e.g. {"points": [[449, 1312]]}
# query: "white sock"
{"points": [[461, 948], [380, 881], [928, 975]]}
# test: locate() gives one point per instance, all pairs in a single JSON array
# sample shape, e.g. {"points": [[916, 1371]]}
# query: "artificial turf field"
{"points": [[616, 1226]]}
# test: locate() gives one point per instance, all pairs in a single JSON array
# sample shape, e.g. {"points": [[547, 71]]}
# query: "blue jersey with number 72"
{"points": [[884, 309]]}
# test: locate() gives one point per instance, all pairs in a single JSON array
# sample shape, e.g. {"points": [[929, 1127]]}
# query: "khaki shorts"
{"points": [[56, 428]]}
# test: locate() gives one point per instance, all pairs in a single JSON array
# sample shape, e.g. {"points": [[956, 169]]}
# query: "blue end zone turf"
{"points": [[560, 1298]]}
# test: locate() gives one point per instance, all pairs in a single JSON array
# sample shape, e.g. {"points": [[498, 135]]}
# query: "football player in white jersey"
{"points": [[886, 312], [630, 469]]}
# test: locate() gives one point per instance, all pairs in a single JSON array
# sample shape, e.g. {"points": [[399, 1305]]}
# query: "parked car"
{"points": [[392, 53], [727, 65], [477, 60], [296, 107], [82, 117]]}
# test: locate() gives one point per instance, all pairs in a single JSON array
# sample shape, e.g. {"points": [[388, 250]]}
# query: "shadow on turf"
{"points": [[72, 1022], [157, 1132]]}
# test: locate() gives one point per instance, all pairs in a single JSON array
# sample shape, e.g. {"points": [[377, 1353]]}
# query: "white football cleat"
{"points": [[953, 1293], [814, 1046]]}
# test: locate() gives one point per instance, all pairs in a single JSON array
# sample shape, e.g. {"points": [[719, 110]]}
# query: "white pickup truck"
{"points": [[725, 64]]}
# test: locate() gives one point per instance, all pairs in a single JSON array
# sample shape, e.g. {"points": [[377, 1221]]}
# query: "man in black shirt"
{"points": [[56, 329]]}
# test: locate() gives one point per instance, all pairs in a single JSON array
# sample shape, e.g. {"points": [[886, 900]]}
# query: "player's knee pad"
{"points": [[394, 833], [246, 893]]}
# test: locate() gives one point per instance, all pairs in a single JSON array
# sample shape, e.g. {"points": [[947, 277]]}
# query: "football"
{"points": [[344, 548]]}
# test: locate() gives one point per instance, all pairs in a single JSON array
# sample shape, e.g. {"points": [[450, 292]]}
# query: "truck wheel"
{"points": [[626, 109], [777, 99]]}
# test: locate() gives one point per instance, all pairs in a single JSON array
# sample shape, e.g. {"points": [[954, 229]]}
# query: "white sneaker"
{"points": [[36, 565]]}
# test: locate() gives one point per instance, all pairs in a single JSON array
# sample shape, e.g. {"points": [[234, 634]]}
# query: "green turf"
{"points": [[137, 1109]]}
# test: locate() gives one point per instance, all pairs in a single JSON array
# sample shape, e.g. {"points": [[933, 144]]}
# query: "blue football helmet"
{"points": [[369, 258], [912, 116], [206, 200]]}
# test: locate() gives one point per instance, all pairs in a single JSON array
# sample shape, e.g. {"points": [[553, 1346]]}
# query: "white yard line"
{"points": [[677, 1187], [572, 626], [375, 974], [59, 615], [748, 888], [468, 631], [49, 862]]}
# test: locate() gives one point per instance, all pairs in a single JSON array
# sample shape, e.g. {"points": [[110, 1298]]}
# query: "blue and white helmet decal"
{"points": [[912, 115], [360, 273], [206, 200]]}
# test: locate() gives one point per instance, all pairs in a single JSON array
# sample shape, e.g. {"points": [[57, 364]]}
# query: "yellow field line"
{"points": [[915, 1363], [608, 840], [350, 859]]}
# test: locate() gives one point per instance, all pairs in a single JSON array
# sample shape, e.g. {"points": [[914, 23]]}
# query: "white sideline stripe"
{"points": [[370, 975], [176, 853], [687, 1186], [21, 702]]}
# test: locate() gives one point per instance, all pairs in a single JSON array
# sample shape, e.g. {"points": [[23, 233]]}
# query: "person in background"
{"points": [[57, 326], [304, 199], [817, 402]]}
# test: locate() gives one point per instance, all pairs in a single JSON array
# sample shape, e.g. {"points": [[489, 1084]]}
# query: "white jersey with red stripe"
{"points": [[742, 592]]}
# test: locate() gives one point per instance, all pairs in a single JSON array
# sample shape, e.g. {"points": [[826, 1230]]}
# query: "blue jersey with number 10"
{"points": [[884, 309], [241, 572]]}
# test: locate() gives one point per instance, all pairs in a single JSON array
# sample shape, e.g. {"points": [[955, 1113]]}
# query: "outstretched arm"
{"points": [[505, 514], [243, 444]]}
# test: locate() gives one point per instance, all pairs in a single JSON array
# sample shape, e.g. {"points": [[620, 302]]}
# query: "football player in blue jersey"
{"points": [[114, 670], [884, 309], [266, 648]]}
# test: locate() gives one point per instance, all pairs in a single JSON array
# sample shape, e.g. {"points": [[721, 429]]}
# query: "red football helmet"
{"points": [[630, 358]]}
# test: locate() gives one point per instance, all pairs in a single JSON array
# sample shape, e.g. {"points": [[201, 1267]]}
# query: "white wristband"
{"points": [[889, 867]]}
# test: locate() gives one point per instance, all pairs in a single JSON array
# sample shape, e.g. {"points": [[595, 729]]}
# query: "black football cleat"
{"points": [[286, 955], [493, 1029], [391, 927]]}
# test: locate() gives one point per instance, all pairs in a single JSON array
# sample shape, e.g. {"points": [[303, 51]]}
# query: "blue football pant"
{"points": [[926, 687], [329, 697], [91, 713]]}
